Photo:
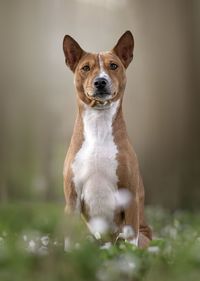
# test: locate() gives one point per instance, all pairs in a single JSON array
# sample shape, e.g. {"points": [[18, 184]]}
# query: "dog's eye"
{"points": [[86, 68], [113, 66]]}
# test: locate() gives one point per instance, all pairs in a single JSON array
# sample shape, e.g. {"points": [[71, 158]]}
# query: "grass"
{"points": [[34, 245]]}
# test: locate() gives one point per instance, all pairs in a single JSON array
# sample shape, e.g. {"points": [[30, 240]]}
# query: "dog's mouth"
{"points": [[100, 103]]}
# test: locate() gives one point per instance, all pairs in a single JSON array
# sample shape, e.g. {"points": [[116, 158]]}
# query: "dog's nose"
{"points": [[100, 83]]}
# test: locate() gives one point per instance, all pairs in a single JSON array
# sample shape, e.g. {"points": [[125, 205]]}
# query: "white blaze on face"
{"points": [[103, 73]]}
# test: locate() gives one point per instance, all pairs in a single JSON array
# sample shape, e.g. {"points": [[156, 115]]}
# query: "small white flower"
{"points": [[153, 249], [128, 231], [106, 246], [45, 240], [98, 226], [67, 244], [126, 264], [132, 265], [25, 238], [55, 243], [32, 246], [134, 241], [123, 197], [97, 235]]}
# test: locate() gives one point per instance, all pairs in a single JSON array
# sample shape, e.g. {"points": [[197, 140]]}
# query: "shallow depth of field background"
{"points": [[161, 104], [37, 114]]}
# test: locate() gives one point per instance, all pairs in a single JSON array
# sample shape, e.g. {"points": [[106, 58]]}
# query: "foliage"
{"points": [[37, 242]]}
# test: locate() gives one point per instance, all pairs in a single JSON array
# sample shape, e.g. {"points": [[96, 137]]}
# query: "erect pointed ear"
{"points": [[73, 52], [124, 48]]}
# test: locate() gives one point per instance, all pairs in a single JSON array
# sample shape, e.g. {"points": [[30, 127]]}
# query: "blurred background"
{"points": [[161, 104]]}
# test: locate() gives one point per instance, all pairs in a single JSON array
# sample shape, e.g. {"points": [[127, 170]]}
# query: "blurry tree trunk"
{"points": [[48, 148], [191, 173]]}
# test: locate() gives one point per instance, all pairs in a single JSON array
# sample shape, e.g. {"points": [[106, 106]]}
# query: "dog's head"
{"points": [[99, 78]]}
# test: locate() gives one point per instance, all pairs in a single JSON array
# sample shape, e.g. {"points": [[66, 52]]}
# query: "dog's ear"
{"points": [[73, 52], [124, 48]]}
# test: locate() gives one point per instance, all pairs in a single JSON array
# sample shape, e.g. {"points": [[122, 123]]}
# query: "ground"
{"points": [[38, 243]]}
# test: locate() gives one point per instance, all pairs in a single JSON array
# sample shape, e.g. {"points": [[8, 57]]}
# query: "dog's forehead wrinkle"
{"points": [[101, 57], [89, 58]]}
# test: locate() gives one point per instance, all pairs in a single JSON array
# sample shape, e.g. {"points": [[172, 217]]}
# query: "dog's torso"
{"points": [[95, 165], [100, 163]]}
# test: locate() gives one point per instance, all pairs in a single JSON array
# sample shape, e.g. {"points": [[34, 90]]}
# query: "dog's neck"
{"points": [[98, 123], [113, 114]]}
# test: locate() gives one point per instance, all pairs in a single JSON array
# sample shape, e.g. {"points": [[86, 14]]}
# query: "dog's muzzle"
{"points": [[102, 94]]}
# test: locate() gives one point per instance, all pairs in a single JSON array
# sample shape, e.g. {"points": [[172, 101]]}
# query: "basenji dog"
{"points": [[100, 160]]}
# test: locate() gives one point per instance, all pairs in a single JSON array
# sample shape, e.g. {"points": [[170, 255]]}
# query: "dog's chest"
{"points": [[97, 155]]}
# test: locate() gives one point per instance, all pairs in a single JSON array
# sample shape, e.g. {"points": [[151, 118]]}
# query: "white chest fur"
{"points": [[95, 164]]}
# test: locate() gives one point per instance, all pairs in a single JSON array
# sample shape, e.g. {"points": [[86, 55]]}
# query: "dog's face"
{"points": [[99, 78]]}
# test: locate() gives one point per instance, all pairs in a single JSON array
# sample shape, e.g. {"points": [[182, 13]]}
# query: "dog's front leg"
{"points": [[145, 232], [132, 218]]}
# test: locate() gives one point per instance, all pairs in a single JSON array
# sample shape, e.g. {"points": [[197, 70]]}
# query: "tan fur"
{"points": [[128, 169], [129, 176]]}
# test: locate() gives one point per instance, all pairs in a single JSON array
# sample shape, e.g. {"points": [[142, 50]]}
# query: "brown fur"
{"points": [[128, 169]]}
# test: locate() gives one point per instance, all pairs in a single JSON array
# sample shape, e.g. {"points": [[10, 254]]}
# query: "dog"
{"points": [[100, 161]]}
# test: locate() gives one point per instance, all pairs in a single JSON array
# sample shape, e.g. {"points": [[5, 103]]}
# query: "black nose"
{"points": [[100, 83]]}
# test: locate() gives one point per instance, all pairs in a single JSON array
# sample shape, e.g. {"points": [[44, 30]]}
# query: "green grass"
{"points": [[32, 247]]}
